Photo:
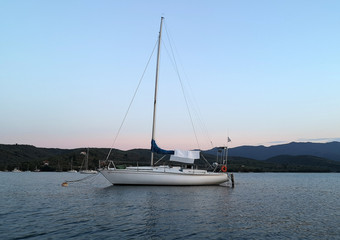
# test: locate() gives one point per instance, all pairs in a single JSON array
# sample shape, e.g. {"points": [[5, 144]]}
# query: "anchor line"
{"points": [[82, 179]]}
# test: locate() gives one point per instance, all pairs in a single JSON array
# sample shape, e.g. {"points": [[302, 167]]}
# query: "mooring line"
{"points": [[65, 184]]}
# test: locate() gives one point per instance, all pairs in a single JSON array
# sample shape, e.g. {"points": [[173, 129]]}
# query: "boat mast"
{"points": [[87, 159], [156, 87]]}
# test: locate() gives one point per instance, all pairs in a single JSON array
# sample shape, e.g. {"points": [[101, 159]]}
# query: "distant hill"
{"points": [[261, 159], [329, 150], [22, 152], [307, 163], [28, 157]]}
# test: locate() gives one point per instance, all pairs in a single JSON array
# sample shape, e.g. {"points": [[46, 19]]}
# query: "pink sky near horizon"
{"points": [[125, 143], [262, 73]]}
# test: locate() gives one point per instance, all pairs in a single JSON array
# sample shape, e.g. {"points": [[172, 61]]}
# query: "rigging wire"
{"points": [[197, 112], [134, 95], [184, 95], [195, 106]]}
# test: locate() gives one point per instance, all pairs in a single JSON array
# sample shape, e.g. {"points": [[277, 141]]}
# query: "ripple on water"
{"points": [[261, 206]]}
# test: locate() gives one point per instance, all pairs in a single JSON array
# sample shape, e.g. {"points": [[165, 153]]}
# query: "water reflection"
{"points": [[264, 206]]}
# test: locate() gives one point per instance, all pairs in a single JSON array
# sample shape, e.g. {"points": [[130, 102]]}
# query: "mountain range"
{"points": [[291, 157], [329, 150]]}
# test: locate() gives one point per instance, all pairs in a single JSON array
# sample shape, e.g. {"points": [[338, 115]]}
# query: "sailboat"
{"points": [[86, 160], [164, 174], [72, 170]]}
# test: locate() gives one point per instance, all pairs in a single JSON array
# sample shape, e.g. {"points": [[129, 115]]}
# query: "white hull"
{"points": [[163, 175]]}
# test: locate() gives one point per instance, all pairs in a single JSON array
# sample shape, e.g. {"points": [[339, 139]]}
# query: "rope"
{"points": [[134, 95], [206, 160], [195, 105], [82, 179], [173, 60], [160, 159]]}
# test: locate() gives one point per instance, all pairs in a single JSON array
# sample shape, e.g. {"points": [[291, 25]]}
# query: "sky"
{"points": [[260, 72]]}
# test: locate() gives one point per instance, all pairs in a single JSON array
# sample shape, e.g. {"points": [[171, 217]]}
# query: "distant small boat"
{"points": [[72, 170], [16, 170], [86, 164], [88, 172]]}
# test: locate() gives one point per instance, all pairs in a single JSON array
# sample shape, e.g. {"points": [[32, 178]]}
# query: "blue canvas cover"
{"points": [[156, 149]]}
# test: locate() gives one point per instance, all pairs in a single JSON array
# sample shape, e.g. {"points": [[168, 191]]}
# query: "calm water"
{"points": [[261, 206]]}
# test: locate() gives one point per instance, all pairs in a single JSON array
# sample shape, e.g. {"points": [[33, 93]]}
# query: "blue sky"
{"points": [[262, 72]]}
